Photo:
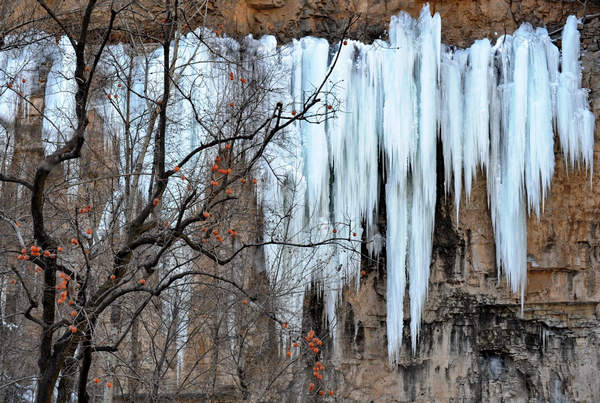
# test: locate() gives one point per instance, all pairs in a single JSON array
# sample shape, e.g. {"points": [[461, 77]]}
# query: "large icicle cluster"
{"points": [[494, 107]]}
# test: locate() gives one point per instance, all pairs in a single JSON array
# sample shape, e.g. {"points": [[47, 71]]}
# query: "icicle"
{"points": [[575, 120], [314, 67], [540, 137], [512, 231], [424, 169], [451, 120], [59, 107], [397, 204], [476, 112], [398, 141]]}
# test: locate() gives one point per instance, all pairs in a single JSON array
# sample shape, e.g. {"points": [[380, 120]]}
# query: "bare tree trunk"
{"points": [[67, 377], [86, 363], [135, 360]]}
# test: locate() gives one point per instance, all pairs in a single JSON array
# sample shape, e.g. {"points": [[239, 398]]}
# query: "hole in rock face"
{"points": [[359, 339], [349, 327]]}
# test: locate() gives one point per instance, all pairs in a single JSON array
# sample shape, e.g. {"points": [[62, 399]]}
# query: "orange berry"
{"points": [[331, 393], [183, 177], [335, 231], [218, 159], [96, 380], [219, 238], [206, 214], [116, 96], [232, 104], [311, 387], [354, 234], [329, 106], [20, 93], [23, 81], [244, 302], [113, 277], [243, 180], [345, 43], [243, 80], [142, 281], [204, 241], [296, 344], [20, 257], [230, 231], [215, 232], [10, 85], [74, 313], [321, 392], [363, 273], [229, 191], [109, 385], [234, 233], [24, 251], [89, 231], [155, 202], [254, 181], [284, 325], [60, 249], [176, 169], [119, 85], [159, 102], [293, 112], [227, 146], [13, 281], [108, 96], [73, 329], [87, 68], [289, 353], [74, 241]]}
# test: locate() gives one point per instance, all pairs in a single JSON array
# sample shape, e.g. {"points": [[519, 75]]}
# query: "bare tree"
{"points": [[138, 241]]}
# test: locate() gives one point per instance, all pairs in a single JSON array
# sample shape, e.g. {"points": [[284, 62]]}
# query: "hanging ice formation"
{"points": [[494, 107]]}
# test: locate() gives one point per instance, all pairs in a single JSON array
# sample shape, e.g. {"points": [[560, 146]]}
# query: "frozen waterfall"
{"points": [[494, 107]]}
